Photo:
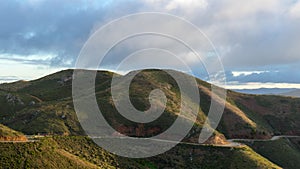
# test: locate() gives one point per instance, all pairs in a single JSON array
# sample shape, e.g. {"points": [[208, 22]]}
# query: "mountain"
{"points": [[289, 92], [45, 106], [294, 93], [81, 152], [266, 91], [284, 152]]}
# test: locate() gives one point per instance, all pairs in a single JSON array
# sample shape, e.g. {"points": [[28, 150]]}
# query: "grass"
{"points": [[43, 154], [52, 96], [282, 152], [263, 125], [81, 152], [255, 160], [7, 132], [54, 114]]}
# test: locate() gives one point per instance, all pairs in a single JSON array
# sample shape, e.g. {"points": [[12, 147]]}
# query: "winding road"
{"points": [[274, 138], [232, 142]]}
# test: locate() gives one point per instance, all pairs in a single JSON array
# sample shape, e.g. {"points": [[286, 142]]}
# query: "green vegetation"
{"points": [[7, 132], [45, 106], [255, 160], [42, 154], [81, 152], [282, 152], [263, 127]]}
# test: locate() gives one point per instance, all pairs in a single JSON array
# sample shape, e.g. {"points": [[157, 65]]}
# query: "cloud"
{"points": [[55, 27], [249, 35], [35, 59], [246, 73], [277, 74], [294, 11], [172, 5], [257, 85], [186, 4], [4, 79], [253, 33]]}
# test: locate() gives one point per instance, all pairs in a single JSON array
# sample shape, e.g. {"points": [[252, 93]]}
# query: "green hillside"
{"points": [[81, 152], [45, 106], [7, 134], [284, 152]]}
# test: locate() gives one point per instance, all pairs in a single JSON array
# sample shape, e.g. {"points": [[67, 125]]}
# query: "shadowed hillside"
{"points": [[45, 106]]}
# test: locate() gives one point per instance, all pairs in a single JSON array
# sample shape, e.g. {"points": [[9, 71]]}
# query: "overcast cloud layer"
{"points": [[258, 37]]}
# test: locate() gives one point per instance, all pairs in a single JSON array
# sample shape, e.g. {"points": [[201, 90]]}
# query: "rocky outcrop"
{"points": [[64, 80], [138, 131], [215, 139], [218, 139], [17, 138], [12, 99]]}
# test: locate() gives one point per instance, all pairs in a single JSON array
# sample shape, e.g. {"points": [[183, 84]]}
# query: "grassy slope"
{"points": [[245, 116], [56, 117], [81, 152], [43, 154], [282, 152], [7, 132], [273, 115]]}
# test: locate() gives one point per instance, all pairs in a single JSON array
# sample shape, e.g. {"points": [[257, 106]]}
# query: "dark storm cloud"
{"points": [[49, 26], [254, 35], [55, 27]]}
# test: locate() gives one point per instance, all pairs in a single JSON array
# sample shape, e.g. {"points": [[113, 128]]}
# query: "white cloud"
{"points": [[294, 11], [30, 59], [257, 85], [247, 73], [248, 34], [186, 4], [235, 9], [24, 71]]}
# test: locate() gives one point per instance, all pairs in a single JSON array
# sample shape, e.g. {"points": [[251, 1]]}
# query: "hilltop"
{"points": [[294, 93], [45, 106]]}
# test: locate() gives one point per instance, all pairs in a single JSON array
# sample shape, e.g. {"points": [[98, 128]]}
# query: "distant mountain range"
{"points": [[294, 93], [272, 91], [45, 106]]}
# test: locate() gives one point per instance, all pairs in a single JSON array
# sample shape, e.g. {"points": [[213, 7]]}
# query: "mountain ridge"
{"points": [[44, 92], [45, 106]]}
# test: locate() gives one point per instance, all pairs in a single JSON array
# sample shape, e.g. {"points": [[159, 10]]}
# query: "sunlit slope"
{"points": [[81, 152], [7, 134], [284, 152], [45, 106]]}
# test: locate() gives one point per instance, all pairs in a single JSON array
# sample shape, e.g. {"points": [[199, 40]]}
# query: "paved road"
{"points": [[231, 144], [271, 139]]}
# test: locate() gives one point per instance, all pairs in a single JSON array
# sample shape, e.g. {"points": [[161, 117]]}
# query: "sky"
{"points": [[258, 41]]}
